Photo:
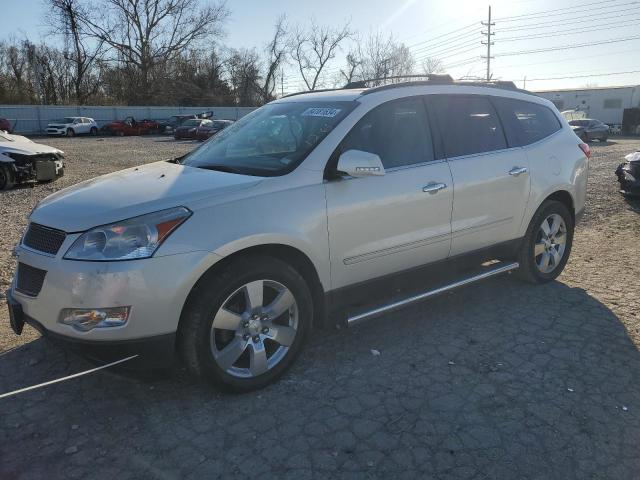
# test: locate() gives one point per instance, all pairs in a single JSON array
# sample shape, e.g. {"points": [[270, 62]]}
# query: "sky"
{"points": [[547, 31]]}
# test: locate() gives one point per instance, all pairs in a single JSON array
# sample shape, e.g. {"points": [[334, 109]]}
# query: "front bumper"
{"points": [[155, 289], [56, 131], [152, 352]]}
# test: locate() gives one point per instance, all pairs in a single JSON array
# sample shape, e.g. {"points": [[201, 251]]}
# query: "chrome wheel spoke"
{"points": [[539, 249], [556, 221], [258, 359], [544, 261], [231, 352], [284, 335], [227, 320], [254, 292], [546, 230], [283, 303], [555, 254]]}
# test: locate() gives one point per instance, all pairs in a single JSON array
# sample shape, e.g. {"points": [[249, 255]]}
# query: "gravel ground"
{"points": [[497, 380]]}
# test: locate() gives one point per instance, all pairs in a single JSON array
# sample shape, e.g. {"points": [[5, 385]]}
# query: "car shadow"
{"points": [[502, 379]]}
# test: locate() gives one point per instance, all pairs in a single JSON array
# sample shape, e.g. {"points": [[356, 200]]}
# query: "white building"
{"points": [[606, 104]]}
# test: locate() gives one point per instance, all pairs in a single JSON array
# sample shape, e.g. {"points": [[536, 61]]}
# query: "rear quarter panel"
{"points": [[556, 163]]}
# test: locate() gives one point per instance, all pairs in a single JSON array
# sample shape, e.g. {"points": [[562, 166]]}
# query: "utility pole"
{"points": [[488, 43], [282, 82], [525, 83]]}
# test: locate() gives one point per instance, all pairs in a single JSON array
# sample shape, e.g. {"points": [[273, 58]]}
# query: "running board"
{"points": [[355, 319]]}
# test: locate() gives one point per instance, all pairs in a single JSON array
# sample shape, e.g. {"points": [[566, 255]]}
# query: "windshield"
{"points": [[270, 141]]}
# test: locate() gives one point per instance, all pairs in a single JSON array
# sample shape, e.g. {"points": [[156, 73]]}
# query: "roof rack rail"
{"points": [[311, 91], [377, 83]]}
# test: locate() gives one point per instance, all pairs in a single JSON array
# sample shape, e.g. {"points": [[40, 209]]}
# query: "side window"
{"points": [[526, 122], [397, 131], [468, 124]]}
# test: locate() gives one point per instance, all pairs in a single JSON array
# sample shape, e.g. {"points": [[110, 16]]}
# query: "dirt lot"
{"points": [[498, 380]]}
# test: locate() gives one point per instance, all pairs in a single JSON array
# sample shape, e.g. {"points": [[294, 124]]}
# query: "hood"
{"points": [[22, 145], [58, 124], [132, 192], [183, 128], [633, 157]]}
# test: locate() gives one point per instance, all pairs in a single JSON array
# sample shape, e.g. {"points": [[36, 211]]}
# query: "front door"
{"points": [[385, 224]]}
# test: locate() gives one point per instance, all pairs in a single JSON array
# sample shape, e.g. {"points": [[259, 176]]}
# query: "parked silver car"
{"points": [[589, 129], [301, 215]]}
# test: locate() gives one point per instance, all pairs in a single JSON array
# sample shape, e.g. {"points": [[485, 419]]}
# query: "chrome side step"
{"points": [[355, 319]]}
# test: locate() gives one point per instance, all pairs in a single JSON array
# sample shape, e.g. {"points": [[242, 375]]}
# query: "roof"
{"points": [[349, 94]]}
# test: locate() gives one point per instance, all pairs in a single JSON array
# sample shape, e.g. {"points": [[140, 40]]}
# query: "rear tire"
{"points": [[241, 340], [546, 247], [7, 180]]}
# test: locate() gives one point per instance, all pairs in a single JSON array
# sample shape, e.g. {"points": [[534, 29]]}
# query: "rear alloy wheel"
{"points": [[6, 178], [244, 325], [547, 244], [70, 132]]}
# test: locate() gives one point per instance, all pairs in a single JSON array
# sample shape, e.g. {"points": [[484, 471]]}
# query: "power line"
{"points": [[567, 47], [582, 29], [573, 9], [552, 23], [582, 76]]}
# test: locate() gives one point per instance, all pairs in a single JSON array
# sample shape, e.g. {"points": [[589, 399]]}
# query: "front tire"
{"points": [[547, 244], [242, 327], [93, 131], [70, 132], [7, 180]]}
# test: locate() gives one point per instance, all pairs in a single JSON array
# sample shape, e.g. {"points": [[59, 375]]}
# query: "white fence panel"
{"points": [[33, 119]]}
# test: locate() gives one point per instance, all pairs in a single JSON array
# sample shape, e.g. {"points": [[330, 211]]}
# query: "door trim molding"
{"points": [[483, 226], [403, 247]]}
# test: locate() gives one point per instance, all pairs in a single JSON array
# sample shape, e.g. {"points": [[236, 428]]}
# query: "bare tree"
{"points": [[146, 34], [432, 65], [314, 47], [276, 54], [64, 18], [382, 57], [353, 63], [243, 68]]}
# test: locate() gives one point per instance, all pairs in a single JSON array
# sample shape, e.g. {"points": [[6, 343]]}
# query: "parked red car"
{"points": [[5, 125], [204, 132], [129, 126]]}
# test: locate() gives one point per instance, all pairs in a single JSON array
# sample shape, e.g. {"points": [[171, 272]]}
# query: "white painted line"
{"points": [[58, 380]]}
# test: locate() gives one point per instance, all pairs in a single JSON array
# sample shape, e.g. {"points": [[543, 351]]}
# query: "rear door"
{"points": [[491, 177], [385, 224]]}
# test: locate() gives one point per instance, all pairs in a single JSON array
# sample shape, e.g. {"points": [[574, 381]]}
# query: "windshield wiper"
{"points": [[221, 168]]}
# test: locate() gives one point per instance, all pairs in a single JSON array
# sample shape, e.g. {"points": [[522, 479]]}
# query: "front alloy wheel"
{"points": [[254, 328], [245, 322]]}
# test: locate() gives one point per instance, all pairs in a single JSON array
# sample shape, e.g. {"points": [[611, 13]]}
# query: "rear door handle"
{"points": [[434, 187], [515, 171]]}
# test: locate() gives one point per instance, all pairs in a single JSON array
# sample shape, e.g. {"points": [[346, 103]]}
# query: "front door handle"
{"points": [[434, 187], [516, 171]]}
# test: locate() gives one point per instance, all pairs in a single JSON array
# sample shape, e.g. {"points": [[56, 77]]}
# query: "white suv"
{"points": [[72, 126], [299, 216]]}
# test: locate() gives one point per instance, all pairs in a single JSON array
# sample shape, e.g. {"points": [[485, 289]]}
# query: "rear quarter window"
{"points": [[526, 122]]}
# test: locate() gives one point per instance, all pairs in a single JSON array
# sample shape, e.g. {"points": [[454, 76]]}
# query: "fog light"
{"points": [[85, 319]]}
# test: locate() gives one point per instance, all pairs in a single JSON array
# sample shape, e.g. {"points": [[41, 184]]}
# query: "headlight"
{"points": [[132, 239]]}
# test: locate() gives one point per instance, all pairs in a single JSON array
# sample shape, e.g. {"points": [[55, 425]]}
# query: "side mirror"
{"points": [[357, 163]]}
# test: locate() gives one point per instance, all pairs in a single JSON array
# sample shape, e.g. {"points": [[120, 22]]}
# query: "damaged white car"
{"points": [[22, 160]]}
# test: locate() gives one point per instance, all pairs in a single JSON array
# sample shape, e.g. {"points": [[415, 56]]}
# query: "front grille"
{"points": [[29, 279], [44, 239]]}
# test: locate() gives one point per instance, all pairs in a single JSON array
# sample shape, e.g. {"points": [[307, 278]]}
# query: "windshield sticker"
{"points": [[321, 112]]}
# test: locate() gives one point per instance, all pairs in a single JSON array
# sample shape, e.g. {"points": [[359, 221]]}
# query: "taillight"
{"points": [[585, 149]]}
